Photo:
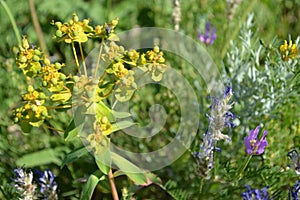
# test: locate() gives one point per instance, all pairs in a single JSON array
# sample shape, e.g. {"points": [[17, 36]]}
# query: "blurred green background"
{"points": [[271, 18]]}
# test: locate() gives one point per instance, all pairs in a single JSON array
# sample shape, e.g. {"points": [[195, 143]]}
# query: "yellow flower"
{"points": [[74, 30], [288, 51]]}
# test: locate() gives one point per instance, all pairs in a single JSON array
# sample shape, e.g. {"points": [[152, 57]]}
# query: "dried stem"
{"points": [[112, 185], [37, 28]]}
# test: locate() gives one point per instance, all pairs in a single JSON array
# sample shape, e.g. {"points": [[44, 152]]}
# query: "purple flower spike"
{"points": [[251, 194], [253, 146], [294, 192], [209, 36]]}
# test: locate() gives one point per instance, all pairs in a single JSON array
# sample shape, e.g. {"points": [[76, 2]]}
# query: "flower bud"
{"points": [[156, 49], [85, 22], [114, 22], [104, 120], [30, 88], [54, 81], [75, 18], [46, 61]]}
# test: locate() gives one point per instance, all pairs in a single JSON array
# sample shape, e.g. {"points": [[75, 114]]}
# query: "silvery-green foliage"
{"points": [[262, 80]]}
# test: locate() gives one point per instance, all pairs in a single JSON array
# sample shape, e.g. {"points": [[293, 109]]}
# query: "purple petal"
{"points": [[262, 144], [207, 27], [213, 35], [249, 149], [254, 133]]}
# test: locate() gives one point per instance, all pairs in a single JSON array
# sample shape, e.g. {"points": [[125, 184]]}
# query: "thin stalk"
{"points": [[201, 185], [83, 60], [99, 58], [243, 168], [12, 21], [112, 185], [76, 59], [37, 28]]}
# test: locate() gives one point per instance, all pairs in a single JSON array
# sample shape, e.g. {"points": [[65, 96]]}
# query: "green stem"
{"points": [[76, 59], [201, 185], [236, 30], [98, 59], [12, 21], [243, 168], [37, 28], [83, 60]]}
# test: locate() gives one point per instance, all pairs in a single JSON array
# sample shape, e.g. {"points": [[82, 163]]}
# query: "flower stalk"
{"points": [[113, 185]]}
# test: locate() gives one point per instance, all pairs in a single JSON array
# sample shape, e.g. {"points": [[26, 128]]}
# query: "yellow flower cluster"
{"points": [[125, 63], [79, 31], [154, 61], [28, 59], [33, 112], [39, 70], [288, 51]]}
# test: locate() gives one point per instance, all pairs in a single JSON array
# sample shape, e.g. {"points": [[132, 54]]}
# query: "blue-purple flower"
{"points": [[47, 184], [294, 192], [253, 145], [255, 194], [209, 36], [294, 156], [220, 118], [24, 183]]}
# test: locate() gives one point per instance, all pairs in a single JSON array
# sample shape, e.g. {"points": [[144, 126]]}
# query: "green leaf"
{"points": [[70, 132], [42, 157], [103, 161], [121, 125], [132, 171], [76, 124], [90, 186], [103, 110], [74, 155], [120, 115]]}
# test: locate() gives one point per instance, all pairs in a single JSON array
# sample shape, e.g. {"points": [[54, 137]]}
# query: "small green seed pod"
{"points": [[23, 59], [58, 33], [16, 120], [54, 81], [35, 58], [57, 66], [37, 52], [62, 76], [42, 95]]}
